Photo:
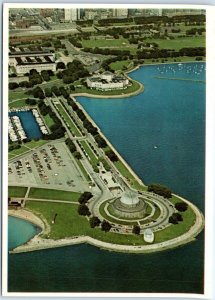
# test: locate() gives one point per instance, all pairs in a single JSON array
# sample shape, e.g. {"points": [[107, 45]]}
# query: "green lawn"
{"points": [[69, 223], [70, 124], [25, 148], [18, 103], [53, 194], [17, 191], [49, 121], [178, 43], [126, 173], [175, 230], [16, 95], [120, 65], [121, 42], [83, 171], [88, 150], [185, 28], [53, 82]]}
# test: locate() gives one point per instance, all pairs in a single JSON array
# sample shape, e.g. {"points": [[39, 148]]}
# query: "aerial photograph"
{"points": [[106, 149]]}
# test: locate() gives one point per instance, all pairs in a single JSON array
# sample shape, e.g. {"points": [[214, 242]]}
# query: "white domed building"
{"points": [[129, 206]]}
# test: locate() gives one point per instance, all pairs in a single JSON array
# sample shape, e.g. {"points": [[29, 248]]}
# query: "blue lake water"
{"points": [[20, 231], [169, 114], [29, 124]]}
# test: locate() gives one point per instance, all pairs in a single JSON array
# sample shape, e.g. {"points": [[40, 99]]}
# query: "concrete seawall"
{"points": [[37, 243], [109, 144]]}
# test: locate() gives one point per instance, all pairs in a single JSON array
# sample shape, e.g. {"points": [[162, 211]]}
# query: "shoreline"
{"points": [[27, 216], [38, 243], [137, 92], [111, 146], [160, 64]]}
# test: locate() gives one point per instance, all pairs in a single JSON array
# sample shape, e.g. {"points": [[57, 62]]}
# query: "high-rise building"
{"points": [[72, 14], [120, 13]]}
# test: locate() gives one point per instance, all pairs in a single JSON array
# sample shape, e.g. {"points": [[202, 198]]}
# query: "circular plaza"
{"points": [[147, 210]]}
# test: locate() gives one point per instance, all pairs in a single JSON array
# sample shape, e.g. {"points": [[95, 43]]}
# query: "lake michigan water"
{"points": [[161, 134]]}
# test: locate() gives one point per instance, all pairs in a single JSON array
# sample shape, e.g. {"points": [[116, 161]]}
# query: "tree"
{"points": [[77, 155], [45, 75], [31, 101], [111, 155], [66, 52], [55, 90], [38, 93], [105, 226], [83, 210], [100, 141], [94, 221], [60, 65], [48, 92], [136, 229], [175, 218], [160, 190], [72, 88], [85, 197], [181, 206], [13, 85], [70, 144], [68, 79]]}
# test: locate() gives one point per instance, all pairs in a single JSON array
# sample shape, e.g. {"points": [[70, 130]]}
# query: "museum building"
{"points": [[107, 81], [24, 60]]}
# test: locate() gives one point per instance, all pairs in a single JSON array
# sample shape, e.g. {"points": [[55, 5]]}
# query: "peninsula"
{"points": [[65, 176]]}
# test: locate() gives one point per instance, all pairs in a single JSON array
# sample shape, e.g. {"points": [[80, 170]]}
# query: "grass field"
{"points": [[69, 223], [185, 28], [83, 171], [17, 103], [17, 191], [16, 95], [90, 153], [127, 174], [68, 120], [178, 43], [107, 43], [53, 194], [49, 121], [120, 65], [25, 148], [176, 230]]}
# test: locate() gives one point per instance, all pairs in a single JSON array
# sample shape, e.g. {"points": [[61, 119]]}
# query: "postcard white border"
{"points": [[210, 150]]}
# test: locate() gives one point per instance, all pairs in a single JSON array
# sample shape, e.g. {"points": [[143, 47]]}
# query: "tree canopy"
{"points": [[160, 190]]}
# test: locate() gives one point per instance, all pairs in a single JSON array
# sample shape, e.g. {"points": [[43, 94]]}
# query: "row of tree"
{"points": [[83, 210], [194, 31], [107, 51], [160, 190], [164, 53], [70, 144], [57, 129]]}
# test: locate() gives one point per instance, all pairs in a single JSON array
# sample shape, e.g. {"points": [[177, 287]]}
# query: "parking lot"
{"points": [[51, 166]]}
